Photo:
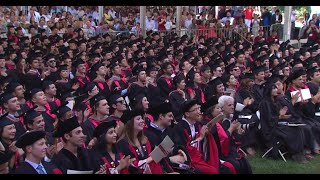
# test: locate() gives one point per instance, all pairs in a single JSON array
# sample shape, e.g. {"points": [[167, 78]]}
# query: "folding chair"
{"points": [[279, 151], [270, 149]]}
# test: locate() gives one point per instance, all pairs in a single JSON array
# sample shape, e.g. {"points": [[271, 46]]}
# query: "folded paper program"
{"points": [[162, 150]]}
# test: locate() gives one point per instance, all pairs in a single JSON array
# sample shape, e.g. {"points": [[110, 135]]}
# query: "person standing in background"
{"points": [[248, 14]]}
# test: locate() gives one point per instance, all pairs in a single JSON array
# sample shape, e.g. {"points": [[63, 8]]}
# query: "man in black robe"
{"points": [[73, 156], [156, 133]]}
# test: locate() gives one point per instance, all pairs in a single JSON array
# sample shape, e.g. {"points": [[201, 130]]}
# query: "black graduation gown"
{"points": [[103, 88], [154, 96], [156, 136], [88, 128], [199, 93], [26, 168], [135, 90], [176, 100], [297, 117], [49, 119], [63, 86], [101, 157], [82, 80], [250, 125], [165, 85], [65, 160], [292, 137], [54, 104], [54, 76], [118, 85], [141, 154], [235, 157], [257, 92], [31, 81]]}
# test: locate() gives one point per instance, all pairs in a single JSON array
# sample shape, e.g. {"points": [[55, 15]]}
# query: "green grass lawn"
{"points": [[268, 166]]}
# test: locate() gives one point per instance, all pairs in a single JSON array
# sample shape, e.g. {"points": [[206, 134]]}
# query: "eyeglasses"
{"points": [[236, 69], [120, 101], [196, 109]]}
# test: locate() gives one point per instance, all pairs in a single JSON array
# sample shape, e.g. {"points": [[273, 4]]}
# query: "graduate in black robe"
{"points": [[156, 133], [165, 82], [97, 102], [34, 164], [98, 73], [178, 96], [140, 152], [291, 137], [9, 103], [73, 156], [106, 152]]}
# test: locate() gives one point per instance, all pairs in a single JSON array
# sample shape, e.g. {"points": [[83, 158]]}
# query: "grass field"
{"points": [[269, 166]]}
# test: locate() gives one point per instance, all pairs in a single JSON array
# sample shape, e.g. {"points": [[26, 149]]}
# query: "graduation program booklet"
{"points": [[305, 94], [162, 150]]}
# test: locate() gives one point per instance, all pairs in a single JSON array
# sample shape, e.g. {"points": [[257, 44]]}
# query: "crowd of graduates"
{"points": [[104, 103]]}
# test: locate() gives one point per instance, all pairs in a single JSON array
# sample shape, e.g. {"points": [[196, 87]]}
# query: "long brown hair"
{"points": [[129, 133]]}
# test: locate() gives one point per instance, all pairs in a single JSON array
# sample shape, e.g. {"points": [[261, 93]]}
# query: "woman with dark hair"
{"points": [[141, 103], [271, 116], [194, 87], [137, 145], [215, 88], [178, 96], [106, 152]]}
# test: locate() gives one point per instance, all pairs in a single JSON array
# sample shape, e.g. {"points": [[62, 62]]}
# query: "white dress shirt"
{"points": [[35, 165]]}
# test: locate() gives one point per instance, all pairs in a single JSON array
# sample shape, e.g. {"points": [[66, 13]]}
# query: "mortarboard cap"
{"points": [[10, 88], [113, 98], [215, 82], [188, 104], [66, 126], [29, 138], [5, 97], [30, 115], [137, 69], [296, 74], [163, 108], [34, 91], [63, 67], [78, 62], [130, 114], [258, 69], [96, 99], [4, 121], [178, 78], [103, 128], [210, 102]]}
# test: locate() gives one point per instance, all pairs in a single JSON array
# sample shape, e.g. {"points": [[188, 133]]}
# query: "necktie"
{"points": [[40, 169]]}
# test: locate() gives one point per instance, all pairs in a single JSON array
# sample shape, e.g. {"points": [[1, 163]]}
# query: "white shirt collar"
{"points": [[34, 165]]}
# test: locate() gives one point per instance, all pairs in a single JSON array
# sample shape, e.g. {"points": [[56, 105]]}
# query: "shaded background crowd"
{"points": [[98, 96]]}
